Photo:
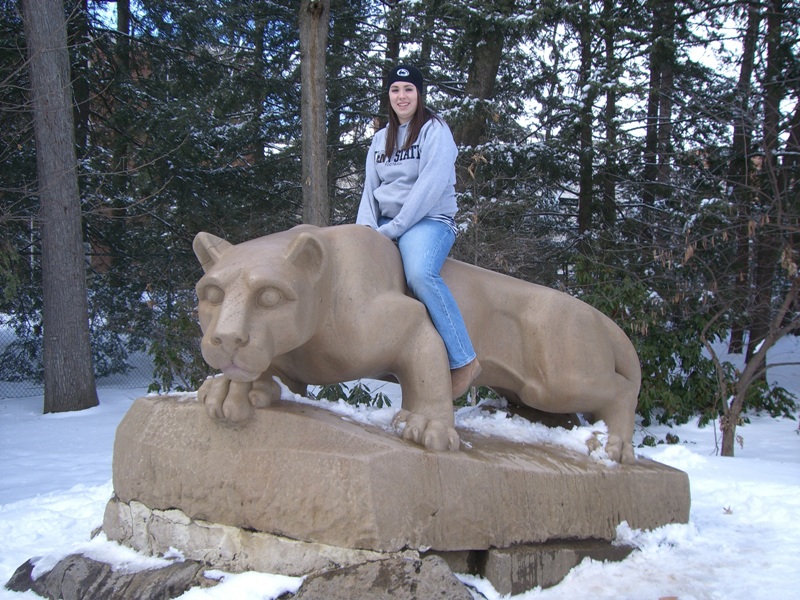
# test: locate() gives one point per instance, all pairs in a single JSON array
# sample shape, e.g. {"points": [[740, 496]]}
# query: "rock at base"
{"points": [[510, 570], [155, 532], [522, 568], [77, 577], [388, 579]]}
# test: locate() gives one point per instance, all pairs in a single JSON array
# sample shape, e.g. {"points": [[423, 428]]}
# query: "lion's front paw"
{"points": [[235, 401], [433, 434]]}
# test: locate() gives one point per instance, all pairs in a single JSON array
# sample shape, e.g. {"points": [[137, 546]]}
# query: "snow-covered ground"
{"points": [[742, 541]]}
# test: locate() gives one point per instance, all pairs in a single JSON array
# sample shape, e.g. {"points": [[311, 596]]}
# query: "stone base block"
{"points": [[516, 570], [522, 568], [510, 570], [301, 472], [154, 532]]}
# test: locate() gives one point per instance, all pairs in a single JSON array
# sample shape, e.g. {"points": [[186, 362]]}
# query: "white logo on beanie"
{"points": [[403, 72]]}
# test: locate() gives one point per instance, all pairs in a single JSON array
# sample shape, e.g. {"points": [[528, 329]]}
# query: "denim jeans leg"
{"points": [[424, 248]]}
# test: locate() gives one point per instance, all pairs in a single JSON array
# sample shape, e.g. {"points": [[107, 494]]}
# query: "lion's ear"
{"points": [[208, 248], [306, 253]]}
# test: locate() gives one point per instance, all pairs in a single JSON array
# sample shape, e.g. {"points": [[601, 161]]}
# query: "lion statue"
{"points": [[316, 306]]}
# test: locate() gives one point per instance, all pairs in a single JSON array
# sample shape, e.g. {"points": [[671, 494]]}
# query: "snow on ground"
{"points": [[741, 542]]}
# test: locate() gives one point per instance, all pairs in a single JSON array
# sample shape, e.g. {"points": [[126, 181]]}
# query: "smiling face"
{"points": [[403, 97]]}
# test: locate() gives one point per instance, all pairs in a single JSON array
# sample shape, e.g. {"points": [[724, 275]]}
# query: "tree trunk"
{"points": [[769, 239], [432, 8], [739, 177], [784, 322], [728, 428], [587, 91], [659, 102], [554, 49], [342, 31], [123, 64], [486, 56], [487, 44], [610, 170], [650, 158], [68, 376], [393, 28], [769, 322], [667, 90], [123, 46], [79, 37], [314, 15]]}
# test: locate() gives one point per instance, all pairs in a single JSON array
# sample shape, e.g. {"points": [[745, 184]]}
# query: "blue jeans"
{"points": [[424, 248]]}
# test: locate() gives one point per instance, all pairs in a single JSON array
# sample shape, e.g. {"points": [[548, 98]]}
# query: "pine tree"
{"points": [[67, 358]]}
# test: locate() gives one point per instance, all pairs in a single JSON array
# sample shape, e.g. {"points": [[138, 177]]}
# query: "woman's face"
{"points": [[403, 98]]}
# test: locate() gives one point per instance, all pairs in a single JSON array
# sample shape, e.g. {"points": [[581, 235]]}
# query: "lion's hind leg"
{"points": [[618, 412], [607, 395]]}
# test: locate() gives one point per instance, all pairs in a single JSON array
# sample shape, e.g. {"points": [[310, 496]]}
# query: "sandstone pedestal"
{"points": [[299, 472]]}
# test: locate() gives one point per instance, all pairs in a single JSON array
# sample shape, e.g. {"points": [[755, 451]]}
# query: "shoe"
{"points": [[463, 377]]}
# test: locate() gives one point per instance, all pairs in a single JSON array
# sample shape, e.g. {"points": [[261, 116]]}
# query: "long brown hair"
{"points": [[422, 115]]}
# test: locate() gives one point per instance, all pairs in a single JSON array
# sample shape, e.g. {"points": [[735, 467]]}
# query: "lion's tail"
{"points": [[626, 359]]}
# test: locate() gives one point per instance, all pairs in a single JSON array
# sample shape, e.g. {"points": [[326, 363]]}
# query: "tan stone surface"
{"points": [[298, 471], [325, 305]]}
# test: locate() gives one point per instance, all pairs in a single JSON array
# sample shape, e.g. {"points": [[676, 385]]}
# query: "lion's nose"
{"points": [[230, 330], [231, 341]]}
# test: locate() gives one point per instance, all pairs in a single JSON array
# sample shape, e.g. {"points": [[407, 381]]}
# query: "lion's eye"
{"points": [[270, 298], [214, 294]]}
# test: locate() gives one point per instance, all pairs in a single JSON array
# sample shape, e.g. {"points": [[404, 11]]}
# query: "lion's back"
{"points": [[364, 258]]}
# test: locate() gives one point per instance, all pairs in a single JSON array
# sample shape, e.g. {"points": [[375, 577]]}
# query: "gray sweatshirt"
{"points": [[411, 184]]}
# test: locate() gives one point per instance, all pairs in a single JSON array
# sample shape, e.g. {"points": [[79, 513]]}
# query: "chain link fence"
{"points": [[139, 375]]}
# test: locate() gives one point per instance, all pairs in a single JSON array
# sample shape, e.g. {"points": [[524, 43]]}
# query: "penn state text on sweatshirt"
{"points": [[411, 184]]}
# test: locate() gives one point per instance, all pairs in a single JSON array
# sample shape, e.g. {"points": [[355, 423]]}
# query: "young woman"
{"points": [[409, 196]]}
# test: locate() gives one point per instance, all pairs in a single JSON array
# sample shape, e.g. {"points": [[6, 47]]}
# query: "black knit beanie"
{"points": [[405, 73]]}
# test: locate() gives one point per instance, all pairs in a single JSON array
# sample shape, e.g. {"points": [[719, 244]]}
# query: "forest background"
{"points": [[642, 156]]}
